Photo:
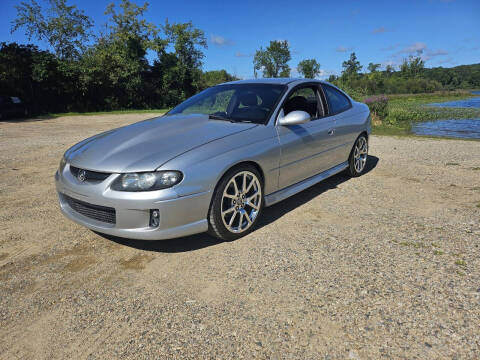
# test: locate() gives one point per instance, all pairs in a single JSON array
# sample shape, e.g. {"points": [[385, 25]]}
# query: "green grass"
{"points": [[147, 111], [460, 263], [406, 109]]}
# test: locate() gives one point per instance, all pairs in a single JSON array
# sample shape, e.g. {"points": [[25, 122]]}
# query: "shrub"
{"points": [[378, 105]]}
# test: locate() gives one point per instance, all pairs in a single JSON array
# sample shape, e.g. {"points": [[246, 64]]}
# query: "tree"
{"points": [[373, 67], [64, 27], [412, 67], [309, 68], [114, 69], [389, 69], [188, 42], [273, 61], [351, 67], [214, 77]]}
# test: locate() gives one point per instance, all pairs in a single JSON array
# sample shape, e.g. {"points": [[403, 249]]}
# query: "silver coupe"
{"points": [[214, 162]]}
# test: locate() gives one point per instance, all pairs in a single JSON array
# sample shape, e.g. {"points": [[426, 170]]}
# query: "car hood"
{"points": [[146, 145]]}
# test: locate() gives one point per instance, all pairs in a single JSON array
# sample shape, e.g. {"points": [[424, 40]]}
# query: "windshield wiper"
{"points": [[217, 117]]}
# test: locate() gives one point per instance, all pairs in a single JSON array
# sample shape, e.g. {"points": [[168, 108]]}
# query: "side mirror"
{"points": [[294, 118]]}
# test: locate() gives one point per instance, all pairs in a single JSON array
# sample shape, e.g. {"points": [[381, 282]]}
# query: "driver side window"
{"points": [[303, 99]]}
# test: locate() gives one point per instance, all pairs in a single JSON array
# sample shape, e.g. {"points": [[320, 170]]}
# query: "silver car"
{"points": [[214, 162]]}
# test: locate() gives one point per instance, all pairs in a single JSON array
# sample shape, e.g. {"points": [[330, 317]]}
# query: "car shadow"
{"points": [[269, 215]]}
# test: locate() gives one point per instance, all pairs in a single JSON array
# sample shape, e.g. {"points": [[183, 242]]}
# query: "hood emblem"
{"points": [[82, 175]]}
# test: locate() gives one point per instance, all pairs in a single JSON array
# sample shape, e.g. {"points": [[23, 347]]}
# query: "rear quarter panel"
{"points": [[349, 125]]}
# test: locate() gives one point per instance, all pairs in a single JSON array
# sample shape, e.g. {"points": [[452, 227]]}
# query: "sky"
{"points": [[443, 32]]}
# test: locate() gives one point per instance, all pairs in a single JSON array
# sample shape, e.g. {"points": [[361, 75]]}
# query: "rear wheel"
{"points": [[358, 156], [236, 204]]}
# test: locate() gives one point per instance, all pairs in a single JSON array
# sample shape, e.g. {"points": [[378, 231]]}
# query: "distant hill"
{"points": [[462, 76]]}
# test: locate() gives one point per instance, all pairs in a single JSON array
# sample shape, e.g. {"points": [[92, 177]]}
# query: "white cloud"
{"points": [[343, 49], [240, 54], [219, 40], [417, 48], [380, 30]]}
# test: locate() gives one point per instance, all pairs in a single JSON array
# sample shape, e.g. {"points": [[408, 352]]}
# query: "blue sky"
{"points": [[444, 32]]}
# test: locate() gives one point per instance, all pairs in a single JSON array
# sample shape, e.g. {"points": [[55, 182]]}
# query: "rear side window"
{"points": [[337, 102]]}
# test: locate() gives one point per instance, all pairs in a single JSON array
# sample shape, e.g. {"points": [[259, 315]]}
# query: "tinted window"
{"points": [[337, 102], [303, 99], [239, 102]]}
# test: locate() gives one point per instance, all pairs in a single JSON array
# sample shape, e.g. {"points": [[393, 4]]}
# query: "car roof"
{"points": [[279, 81]]}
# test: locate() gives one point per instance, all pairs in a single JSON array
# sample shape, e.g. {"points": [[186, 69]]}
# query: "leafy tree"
{"points": [[351, 67], [412, 67], [214, 77], [273, 61], [373, 67], [309, 68], [113, 70], [389, 69], [188, 42], [64, 27]]}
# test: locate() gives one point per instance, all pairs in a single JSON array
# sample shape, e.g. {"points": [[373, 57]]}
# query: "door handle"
{"points": [[331, 132]]}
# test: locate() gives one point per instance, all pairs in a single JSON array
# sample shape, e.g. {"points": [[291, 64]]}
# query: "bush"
{"points": [[378, 105]]}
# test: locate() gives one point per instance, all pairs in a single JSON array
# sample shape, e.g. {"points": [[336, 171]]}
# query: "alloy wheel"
{"points": [[360, 154], [241, 202]]}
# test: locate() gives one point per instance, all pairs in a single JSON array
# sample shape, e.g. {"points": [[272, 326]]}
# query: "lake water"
{"points": [[465, 128]]}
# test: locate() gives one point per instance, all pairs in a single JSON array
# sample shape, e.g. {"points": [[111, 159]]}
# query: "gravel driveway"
{"points": [[384, 265]]}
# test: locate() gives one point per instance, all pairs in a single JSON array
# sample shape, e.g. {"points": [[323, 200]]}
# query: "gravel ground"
{"points": [[384, 265]]}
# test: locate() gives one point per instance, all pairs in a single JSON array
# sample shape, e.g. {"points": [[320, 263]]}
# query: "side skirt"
{"points": [[280, 195]]}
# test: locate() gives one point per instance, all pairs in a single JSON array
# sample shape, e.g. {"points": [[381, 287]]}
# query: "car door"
{"points": [[339, 107], [305, 148]]}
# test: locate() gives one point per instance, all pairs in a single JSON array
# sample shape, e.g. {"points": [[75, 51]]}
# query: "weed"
{"points": [[460, 262]]}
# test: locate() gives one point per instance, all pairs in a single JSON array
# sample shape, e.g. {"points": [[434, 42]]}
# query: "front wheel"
{"points": [[358, 157], [236, 204]]}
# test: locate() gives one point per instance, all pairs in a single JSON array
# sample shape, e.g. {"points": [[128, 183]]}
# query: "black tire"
{"points": [[353, 169], [216, 224]]}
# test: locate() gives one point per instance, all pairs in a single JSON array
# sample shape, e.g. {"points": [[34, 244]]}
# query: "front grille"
{"points": [[90, 175], [96, 212]]}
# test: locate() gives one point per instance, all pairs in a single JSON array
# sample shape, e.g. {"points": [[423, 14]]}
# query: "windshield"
{"points": [[237, 102]]}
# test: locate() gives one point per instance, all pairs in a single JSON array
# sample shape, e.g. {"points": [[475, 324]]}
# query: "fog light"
{"points": [[154, 218]]}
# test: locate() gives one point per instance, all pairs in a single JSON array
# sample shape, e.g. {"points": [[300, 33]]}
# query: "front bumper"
{"points": [[179, 215]]}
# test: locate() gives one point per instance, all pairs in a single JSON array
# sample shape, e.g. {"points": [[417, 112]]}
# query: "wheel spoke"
{"points": [[240, 221], [244, 185], [248, 218], [232, 218], [235, 186], [250, 185], [229, 196], [252, 205], [228, 211], [249, 199]]}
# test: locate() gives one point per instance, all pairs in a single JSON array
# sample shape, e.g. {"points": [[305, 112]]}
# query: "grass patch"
{"points": [[476, 168], [415, 245], [438, 252], [406, 109], [478, 205], [390, 130], [452, 164], [460, 262]]}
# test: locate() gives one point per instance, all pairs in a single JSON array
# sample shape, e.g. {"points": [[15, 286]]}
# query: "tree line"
{"points": [[109, 70], [411, 76], [105, 71]]}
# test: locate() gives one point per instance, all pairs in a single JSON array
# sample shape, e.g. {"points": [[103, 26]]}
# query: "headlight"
{"points": [[147, 181], [63, 162]]}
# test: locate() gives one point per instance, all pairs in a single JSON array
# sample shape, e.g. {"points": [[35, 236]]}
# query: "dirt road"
{"points": [[384, 265]]}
